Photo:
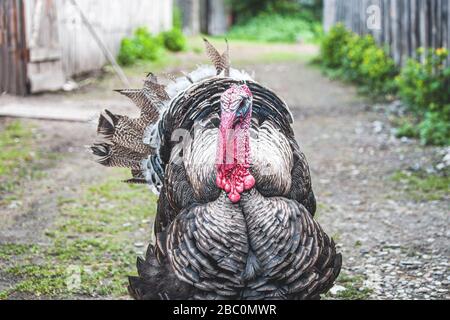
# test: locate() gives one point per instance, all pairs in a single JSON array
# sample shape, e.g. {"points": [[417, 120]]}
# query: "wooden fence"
{"points": [[13, 50], [402, 25]]}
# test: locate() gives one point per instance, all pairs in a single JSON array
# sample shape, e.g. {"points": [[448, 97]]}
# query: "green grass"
{"points": [[21, 159], [92, 242], [10, 250], [16, 155], [421, 186]]}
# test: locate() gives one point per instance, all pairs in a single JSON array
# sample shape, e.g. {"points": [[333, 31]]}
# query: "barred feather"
{"points": [[220, 61]]}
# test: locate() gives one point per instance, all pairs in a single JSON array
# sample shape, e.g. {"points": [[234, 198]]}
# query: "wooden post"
{"points": [[190, 12], [217, 17]]}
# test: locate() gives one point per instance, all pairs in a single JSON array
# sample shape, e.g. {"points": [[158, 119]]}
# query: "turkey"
{"points": [[235, 214]]}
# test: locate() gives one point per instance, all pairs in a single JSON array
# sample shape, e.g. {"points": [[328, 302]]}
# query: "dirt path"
{"points": [[393, 245], [398, 247]]}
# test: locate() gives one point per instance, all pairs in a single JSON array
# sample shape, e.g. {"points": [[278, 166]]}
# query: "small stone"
{"points": [[336, 289], [377, 127], [363, 251], [393, 246], [139, 244], [14, 205], [446, 158]]}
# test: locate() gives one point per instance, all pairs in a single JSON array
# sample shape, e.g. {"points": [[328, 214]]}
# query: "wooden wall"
{"points": [[62, 46], [403, 25], [13, 49]]}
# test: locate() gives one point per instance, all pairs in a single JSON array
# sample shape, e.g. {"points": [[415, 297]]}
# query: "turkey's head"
{"points": [[233, 149]]}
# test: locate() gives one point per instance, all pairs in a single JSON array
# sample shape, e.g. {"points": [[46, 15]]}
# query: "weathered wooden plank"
{"points": [[13, 48], [217, 17], [414, 27], [24, 56]]}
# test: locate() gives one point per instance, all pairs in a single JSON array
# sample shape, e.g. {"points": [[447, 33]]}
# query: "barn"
{"points": [[43, 43]]}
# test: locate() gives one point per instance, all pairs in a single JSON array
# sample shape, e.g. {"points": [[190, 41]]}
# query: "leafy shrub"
{"points": [[145, 46], [173, 40], [407, 129], [142, 46], [353, 53], [378, 71], [358, 59], [332, 55], [276, 28], [128, 52], [423, 87], [435, 128]]}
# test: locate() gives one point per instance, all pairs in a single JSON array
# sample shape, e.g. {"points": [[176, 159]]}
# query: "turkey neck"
{"points": [[233, 154]]}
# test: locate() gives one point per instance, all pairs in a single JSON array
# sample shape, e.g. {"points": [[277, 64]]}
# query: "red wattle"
{"points": [[234, 197], [249, 182]]}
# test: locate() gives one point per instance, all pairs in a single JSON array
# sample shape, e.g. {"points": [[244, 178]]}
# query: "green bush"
{"points": [[378, 71], [358, 59], [145, 46], [142, 46], [423, 87], [353, 53], [408, 129], [276, 28], [435, 128], [173, 40], [332, 55], [128, 52]]}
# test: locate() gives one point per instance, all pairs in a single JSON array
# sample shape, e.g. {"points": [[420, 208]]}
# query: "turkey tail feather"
{"points": [[122, 139], [220, 61], [155, 281]]}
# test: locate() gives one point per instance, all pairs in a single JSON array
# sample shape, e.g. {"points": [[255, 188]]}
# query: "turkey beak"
{"points": [[236, 121], [242, 112]]}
